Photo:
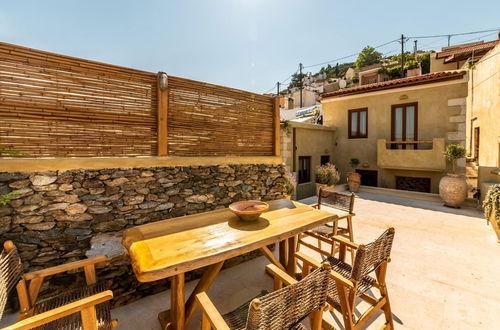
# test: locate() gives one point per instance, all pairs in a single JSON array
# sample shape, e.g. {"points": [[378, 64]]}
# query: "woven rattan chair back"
{"points": [[285, 308], [344, 202], [370, 256], [10, 273]]}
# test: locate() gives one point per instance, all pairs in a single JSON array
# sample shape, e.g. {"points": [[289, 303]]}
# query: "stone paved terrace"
{"points": [[444, 271]]}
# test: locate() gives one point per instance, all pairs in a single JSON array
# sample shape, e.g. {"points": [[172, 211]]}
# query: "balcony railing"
{"points": [[411, 155]]}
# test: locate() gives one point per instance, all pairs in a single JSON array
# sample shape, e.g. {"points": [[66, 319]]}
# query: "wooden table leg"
{"points": [[175, 317], [203, 285], [291, 266], [270, 256], [283, 256]]}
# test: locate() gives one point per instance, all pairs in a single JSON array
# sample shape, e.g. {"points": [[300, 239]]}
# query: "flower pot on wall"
{"points": [[322, 186], [353, 181], [453, 190]]}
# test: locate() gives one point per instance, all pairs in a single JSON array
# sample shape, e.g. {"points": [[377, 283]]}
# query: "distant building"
{"points": [[458, 56]]}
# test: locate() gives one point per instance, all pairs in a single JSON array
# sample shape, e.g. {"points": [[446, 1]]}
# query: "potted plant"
{"points": [[491, 205], [326, 176], [289, 185], [353, 178], [453, 187]]}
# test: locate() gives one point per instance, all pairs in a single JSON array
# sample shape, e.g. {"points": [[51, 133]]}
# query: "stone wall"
{"points": [[57, 214]]}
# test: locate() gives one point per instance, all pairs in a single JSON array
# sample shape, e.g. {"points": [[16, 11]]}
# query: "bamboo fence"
{"points": [[53, 105]]}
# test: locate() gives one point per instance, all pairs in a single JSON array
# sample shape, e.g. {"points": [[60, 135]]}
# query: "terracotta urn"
{"points": [[322, 186], [453, 190], [353, 181], [495, 224]]}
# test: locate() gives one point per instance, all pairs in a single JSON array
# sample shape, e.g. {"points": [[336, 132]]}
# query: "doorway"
{"points": [[476, 143], [368, 177]]}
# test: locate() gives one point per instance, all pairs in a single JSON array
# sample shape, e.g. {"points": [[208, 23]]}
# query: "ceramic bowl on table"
{"points": [[249, 210]]}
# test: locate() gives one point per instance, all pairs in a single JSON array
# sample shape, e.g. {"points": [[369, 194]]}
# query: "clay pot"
{"points": [[453, 190], [353, 181], [495, 225], [322, 186], [248, 210]]}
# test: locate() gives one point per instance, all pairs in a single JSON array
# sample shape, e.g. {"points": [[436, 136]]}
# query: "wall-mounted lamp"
{"points": [[162, 81]]}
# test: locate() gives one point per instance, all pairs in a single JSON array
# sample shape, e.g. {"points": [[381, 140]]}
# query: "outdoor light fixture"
{"points": [[162, 80]]}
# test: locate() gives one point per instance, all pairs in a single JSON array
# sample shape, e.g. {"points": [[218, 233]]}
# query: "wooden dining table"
{"points": [[172, 247]]}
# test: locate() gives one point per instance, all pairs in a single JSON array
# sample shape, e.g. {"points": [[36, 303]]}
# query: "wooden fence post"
{"points": [[277, 128], [162, 86]]}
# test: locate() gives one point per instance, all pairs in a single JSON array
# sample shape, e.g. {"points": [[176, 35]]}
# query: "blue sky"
{"points": [[246, 44]]}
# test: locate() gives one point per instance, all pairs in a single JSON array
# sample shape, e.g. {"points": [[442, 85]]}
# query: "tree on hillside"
{"points": [[337, 71], [425, 63], [368, 56], [296, 80]]}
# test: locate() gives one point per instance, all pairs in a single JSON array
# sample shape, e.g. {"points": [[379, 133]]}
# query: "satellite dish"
{"points": [[342, 83]]}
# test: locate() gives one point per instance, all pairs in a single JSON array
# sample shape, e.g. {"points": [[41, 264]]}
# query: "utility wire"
{"points": [[281, 82], [454, 34], [348, 56], [397, 40], [477, 38]]}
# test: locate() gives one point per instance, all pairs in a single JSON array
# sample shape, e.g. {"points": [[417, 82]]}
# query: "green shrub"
{"points": [[327, 174], [425, 63], [289, 184], [491, 203], [354, 162]]}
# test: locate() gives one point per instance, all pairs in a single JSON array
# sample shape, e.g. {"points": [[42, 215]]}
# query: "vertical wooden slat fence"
{"points": [[53, 105]]}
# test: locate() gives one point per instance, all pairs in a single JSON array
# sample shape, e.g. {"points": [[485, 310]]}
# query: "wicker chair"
{"points": [[350, 283], [86, 308], [284, 308], [342, 202]]}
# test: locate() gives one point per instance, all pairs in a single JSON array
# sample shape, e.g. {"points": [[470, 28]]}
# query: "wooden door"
{"points": [[404, 125], [476, 143]]}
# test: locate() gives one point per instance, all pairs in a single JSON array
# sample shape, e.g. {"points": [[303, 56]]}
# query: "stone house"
{"points": [[377, 124]]}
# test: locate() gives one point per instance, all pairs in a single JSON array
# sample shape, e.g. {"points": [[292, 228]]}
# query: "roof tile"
{"points": [[397, 83]]}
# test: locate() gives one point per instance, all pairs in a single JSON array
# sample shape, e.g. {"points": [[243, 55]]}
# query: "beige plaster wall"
{"points": [[437, 104], [487, 177], [438, 65], [314, 143], [310, 140], [484, 108]]}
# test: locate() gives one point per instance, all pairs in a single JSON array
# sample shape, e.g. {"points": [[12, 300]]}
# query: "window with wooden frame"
{"points": [[358, 123], [304, 169], [404, 125]]}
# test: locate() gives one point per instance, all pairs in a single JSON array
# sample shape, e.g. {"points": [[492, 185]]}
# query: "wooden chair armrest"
{"points": [[211, 312], [316, 264], [60, 312], [339, 278], [307, 260], [316, 206], [65, 267], [343, 241], [278, 273]]}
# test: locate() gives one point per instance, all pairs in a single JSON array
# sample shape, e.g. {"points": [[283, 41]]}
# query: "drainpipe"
{"points": [[294, 150], [471, 136]]}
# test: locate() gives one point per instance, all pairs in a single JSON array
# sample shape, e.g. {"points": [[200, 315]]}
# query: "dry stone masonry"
{"points": [[59, 217]]}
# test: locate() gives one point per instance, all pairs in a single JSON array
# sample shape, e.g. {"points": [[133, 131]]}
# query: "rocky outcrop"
{"points": [[57, 216]]}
